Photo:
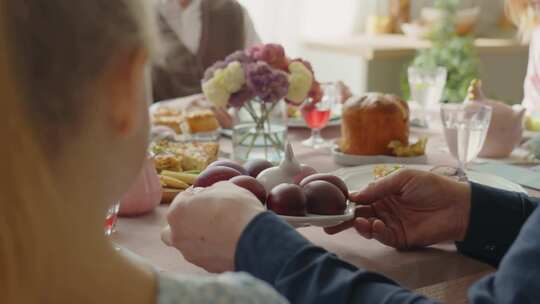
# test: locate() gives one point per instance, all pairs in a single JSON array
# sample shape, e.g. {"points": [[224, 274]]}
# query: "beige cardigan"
{"points": [[180, 72]]}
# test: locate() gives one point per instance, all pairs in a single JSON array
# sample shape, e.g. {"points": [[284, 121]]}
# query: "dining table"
{"points": [[439, 271]]}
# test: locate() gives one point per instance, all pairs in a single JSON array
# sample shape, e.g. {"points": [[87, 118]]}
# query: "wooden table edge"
{"points": [[454, 291]]}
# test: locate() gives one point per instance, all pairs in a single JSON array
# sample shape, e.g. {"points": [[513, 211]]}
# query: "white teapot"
{"points": [[506, 128]]}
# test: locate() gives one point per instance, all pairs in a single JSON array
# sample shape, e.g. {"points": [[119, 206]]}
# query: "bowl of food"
{"points": [[179, 164]]}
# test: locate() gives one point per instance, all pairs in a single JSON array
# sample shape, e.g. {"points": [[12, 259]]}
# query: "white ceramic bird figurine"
{"points": [[506, 128]]}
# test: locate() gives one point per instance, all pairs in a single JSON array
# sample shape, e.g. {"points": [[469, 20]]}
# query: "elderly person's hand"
{"points": [[206, 224], [411, 209]]}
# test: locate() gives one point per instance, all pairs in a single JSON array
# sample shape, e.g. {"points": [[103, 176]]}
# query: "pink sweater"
{"points": [[532, 81]]}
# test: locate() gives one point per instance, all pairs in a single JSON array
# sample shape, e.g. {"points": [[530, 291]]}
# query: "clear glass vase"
{"points": [[260, 131]]}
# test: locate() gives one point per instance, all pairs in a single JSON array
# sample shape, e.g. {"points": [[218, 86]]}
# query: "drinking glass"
{"points": [[111, 218], [112, 213], [465, 130], [427, 87], [317, 115]]}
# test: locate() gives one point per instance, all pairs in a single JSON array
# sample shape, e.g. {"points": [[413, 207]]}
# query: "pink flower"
{"points": [[271, 53]]}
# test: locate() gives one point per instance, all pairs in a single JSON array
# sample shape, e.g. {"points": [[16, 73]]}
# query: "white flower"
{"points": [[300, 82]]}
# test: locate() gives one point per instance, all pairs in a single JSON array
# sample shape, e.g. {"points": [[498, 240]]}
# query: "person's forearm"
{"points": [[496, 218], [274, 252], [516, 280]]}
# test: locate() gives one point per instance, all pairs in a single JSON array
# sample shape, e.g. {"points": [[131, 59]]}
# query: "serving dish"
{"points": [[181, 104], [358, 178], [320, 220], [357, 160]]}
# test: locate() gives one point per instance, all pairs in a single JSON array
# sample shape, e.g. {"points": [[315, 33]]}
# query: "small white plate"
{"points": [[357, 160], [176, 103], [320, 220], [359, 177]]}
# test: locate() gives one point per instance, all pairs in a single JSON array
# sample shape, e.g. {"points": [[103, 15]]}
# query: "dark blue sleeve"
{"points": [[496, 219], [273, 251], [517, 281]]}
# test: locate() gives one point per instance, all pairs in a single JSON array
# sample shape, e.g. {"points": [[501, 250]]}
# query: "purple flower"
{"points": [[239, 56], [239, 98], [268, 84]]}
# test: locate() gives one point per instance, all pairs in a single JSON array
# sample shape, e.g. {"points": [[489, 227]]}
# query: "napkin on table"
{"points": [[526, 177]]}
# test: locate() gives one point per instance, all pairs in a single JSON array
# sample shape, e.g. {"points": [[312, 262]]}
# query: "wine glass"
{"points": [[111, 218], [465, 130], [317, 115], [427, 86]]}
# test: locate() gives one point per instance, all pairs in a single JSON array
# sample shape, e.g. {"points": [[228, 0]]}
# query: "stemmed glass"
{"points": [[465, 130], [317, 115], [427, 86], [111, 218]]}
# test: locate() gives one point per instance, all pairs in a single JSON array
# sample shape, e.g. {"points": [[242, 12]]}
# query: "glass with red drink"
{"points": [[111, 218], [317, 115]]}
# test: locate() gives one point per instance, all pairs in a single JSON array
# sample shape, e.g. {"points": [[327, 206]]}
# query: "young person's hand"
{"points": [[206, 224], [411, 209]]}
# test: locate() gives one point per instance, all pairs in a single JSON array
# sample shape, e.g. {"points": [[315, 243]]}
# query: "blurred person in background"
{"points": [[75, 127], [526, 14], [197, 33]]}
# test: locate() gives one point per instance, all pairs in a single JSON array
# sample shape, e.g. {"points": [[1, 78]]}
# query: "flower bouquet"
{"points": [[258, 83]]}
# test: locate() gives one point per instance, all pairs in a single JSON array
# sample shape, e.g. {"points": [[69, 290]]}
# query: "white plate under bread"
{"points": [[348, 160]]}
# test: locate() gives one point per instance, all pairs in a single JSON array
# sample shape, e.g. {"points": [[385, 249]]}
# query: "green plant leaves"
{"points": [[455, 53]]}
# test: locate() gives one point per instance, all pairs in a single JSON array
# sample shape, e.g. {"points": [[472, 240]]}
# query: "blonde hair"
{"points": [[61, 46], [57, 49], [524, 15], [20, 157]]}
